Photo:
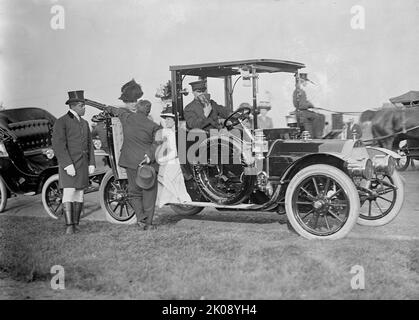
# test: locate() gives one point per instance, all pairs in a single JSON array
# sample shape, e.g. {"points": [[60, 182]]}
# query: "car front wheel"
{"points": [[322, 202]]}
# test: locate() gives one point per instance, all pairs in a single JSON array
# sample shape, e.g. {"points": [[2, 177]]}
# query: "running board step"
{"points": [[215, 205]]}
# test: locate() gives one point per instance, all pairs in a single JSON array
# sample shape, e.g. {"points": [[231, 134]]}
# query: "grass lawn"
{"points": [[198, 259]]}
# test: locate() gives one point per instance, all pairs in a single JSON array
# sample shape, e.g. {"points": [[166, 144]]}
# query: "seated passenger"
{"points": [[202, 112], [170, 178]]}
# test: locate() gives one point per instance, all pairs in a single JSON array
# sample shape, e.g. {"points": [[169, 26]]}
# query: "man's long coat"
{"points": [[72, 144]]}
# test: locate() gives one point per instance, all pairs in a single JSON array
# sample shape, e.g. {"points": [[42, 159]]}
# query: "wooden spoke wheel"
{"points": [[322, 202], [381, 201], [115, 200]]}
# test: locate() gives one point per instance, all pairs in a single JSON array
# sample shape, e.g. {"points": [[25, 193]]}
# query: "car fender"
{"points": [[385, 151], [334, 159]]}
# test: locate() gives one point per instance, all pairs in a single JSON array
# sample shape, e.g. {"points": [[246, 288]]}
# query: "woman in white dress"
{"points": [[171, 187]]}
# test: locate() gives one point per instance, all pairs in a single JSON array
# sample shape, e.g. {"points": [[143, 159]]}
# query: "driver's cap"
{"points": [[198, 85]]}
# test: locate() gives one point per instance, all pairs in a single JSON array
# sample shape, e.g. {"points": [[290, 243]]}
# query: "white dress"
{"points": [[171, 188]]}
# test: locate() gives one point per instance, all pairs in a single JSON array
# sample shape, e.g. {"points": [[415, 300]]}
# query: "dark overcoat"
{"points": [[195, 117], [139, 137], [72, 144]]}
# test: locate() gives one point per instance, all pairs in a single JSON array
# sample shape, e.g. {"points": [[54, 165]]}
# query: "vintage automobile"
{"points": [[323, 186], [27, 162]]}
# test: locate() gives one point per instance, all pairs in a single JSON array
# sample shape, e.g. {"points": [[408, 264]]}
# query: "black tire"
{"points": [[186, 210], [318, 192], [215, 189], [3, 195], [114, 200], [51, 197], [382, 207]]}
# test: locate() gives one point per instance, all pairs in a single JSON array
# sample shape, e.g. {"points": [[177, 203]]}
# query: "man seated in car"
{"points": [[202, 112]]}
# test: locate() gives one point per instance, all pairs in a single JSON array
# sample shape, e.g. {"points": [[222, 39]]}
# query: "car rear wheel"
{"points": [[114, 200], [3, 195], [383, 202], [322, 202], [51, 197]]}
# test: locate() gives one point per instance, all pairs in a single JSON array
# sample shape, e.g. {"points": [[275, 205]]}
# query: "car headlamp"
{"points": [[384, 164], [363, 168]]}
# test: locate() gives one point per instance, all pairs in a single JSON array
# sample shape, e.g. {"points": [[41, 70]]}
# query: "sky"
{"points": [[106, 43]]}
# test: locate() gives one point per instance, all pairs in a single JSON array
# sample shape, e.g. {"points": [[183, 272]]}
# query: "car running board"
{"points": [[215, 205]]}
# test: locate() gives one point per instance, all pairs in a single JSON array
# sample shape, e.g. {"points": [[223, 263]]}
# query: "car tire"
{"points": [[3, 194], [396, 202], [51, 197], [186, 210], [321, 205], [113, 198]]}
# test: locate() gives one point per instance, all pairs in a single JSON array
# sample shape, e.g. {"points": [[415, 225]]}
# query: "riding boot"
{"points": [[78, 207], [68, 215]]}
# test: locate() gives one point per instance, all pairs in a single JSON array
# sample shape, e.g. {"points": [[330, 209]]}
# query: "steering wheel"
{"points": [[240, 114]]}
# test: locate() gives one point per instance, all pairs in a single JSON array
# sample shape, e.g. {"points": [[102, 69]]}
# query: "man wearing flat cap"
{"points": [[73, 147], [202, 112]]}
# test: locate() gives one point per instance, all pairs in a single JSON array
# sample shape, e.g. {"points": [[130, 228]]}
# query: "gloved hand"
{"points": [[91, 169], [147, 159], [71, 171]]}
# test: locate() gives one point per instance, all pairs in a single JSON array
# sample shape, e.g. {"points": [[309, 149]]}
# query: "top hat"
{"points": [[168, 112], [146, 176], [75, 96], [198, 85], [131, 92]]}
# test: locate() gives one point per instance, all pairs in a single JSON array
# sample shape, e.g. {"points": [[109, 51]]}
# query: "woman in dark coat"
{"points": [[73, 147]]}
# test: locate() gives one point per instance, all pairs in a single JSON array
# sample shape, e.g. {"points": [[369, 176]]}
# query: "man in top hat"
{"points": [[264, 122], [138, 158], [202, 112], [73, 147]]}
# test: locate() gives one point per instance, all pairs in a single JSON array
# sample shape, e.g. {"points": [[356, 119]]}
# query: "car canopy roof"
{"points": [[23, 114], [222, 69], [408, 97]]}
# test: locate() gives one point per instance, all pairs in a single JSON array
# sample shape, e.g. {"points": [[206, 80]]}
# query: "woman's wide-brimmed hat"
{"points": [[267, 107], [146, 176], [167, 113], [131, 92], [75, 96]]}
